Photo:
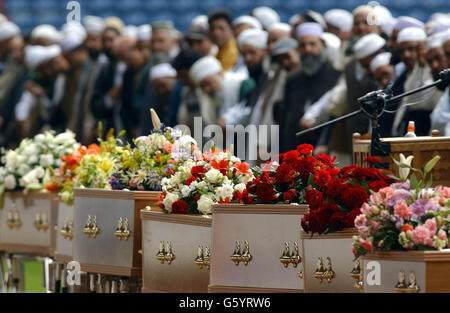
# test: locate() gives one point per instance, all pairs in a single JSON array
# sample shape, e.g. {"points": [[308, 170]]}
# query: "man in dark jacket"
{"points": [[305, 87]]}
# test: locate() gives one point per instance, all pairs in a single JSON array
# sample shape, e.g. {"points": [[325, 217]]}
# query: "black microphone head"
{"points": [[373, 103], [445, 77]]}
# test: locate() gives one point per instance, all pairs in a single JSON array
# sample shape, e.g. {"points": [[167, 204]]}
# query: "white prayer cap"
{"points": [[144, 32], [71, 42], [200, 20], [8, 30], [203, 68], [131, 31], [368, 45], [434, 41], [388, 25], [332, 45], [46, 31], [339, 18], [94, 24], [309, 29], [411, 34], [284, 45], [36, 55], [362, 9], [407, 21], [381, 59], [439, 27], [381, 14], [439, 16], [280, 26], [267, 16], [115, 23], [294, 19], [162, 70], [253, 37], [73, 27], [248, 20], [445, 36]]}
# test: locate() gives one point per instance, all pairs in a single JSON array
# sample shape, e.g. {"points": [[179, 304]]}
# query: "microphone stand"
{"points": [[373, 105]]}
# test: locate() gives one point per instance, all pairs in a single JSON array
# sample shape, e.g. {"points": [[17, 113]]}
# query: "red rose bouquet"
{"points": [[334, 195]]}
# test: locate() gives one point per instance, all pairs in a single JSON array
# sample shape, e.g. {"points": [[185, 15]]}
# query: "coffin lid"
{"points": [[116, 194], [281, 209], [187, 219], [411, 256]]}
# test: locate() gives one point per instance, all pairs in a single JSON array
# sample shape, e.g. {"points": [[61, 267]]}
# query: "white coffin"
{"points": [[64, 233], [105, 253], [185, 233], [266, 228], [337, 247], [431, 270], [25, 234]]}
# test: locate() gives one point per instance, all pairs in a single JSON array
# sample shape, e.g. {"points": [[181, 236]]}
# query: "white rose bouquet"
{"points": [[29, 166], [216, 177]]}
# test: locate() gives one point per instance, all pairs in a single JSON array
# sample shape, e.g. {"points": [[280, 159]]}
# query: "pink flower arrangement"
{"points": [[399, 217]]}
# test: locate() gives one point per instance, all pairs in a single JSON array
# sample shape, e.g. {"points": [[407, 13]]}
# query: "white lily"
{"points": [[155, 119], [404, 172]]}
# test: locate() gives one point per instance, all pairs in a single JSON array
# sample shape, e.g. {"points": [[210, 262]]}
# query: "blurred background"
{"points": [[29, 13]]}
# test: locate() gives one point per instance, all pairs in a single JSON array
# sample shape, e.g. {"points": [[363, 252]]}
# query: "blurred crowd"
{"points": [[247, 70]]}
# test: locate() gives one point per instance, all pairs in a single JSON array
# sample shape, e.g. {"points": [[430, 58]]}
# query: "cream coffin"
{"points": [[248, 245], [27, 221], [107, 230], [328, 262], [176, 252], [64, 233], [406, 271]]}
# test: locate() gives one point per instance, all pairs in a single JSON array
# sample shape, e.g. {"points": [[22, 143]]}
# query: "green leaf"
{"points": [[310, 180], [413, 181], [403, 165], [430, 164], [430, 182]]}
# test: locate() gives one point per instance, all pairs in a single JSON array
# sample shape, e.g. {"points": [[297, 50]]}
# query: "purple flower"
{"points": [[115, 183], [399, 223], [418, 208], [405, 185], [396, 197]]}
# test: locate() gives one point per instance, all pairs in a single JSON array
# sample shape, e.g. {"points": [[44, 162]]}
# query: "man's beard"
{"points": [[311, 64], [255, 71], [94, 54], [160, 57]]}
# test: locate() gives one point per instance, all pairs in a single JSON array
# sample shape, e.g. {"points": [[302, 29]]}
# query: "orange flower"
{"points": [[242, 168], [210, 154], [52, 187], [222, 166], [93, 149]]}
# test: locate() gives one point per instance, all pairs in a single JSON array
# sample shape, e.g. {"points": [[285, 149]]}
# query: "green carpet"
{"points": [[33, 277]]}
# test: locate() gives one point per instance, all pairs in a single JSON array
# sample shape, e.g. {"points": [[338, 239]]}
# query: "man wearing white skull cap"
{"points": [[382, 69], [245, 22], [267, 16], [144, 37], [339, 22], [412, 47], [275, 33], [315, 78], [40, 103], [218, 91], [45, 35]]}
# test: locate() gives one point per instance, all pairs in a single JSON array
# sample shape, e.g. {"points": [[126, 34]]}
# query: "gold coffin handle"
{"points": [[404, 287]]}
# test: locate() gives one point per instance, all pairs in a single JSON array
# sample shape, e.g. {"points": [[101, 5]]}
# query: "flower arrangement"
{"points": [[29, 166], [62, 179], [409, 215], [334, 195], [154, 157], [95, 169], [216, 177]]}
